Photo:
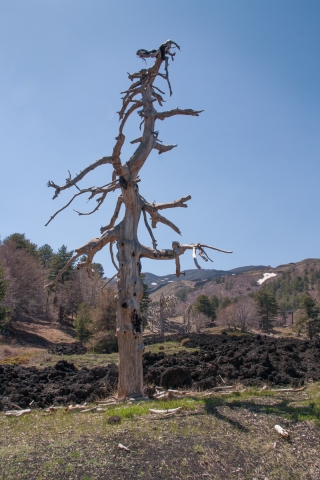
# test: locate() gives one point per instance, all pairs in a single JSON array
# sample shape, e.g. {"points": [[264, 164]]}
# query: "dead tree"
{"points": [[187, 316], [141, 96], [167, 305]]}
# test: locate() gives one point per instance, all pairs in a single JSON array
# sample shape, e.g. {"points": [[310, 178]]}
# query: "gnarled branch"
{"points": [[178, 111], [175, 252], [90, 249], [161, 206], [128, 113], [112, 257], [154, 242], [107, 282], [67, 205], [114, 216], [100, 202], [156, 217], [163, 148], [72, 182]]}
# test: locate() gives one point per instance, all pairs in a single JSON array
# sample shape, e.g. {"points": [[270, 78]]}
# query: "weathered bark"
{"points": [[125, 177], [130, 291]]}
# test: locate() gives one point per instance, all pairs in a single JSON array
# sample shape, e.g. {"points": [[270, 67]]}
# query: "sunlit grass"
{"points": [[41, 358]]}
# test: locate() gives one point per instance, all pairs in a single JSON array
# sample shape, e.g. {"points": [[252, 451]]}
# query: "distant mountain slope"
{"points": [[155, 282], [288, 282]]}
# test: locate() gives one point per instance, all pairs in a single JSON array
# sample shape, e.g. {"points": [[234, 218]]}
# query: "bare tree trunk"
{"points": [[130, 291], [130, 251]]}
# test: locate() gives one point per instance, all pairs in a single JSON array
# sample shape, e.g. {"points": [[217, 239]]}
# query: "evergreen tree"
{"points": [[59, 260], [82, 323], [224, 302], [46, 255], [311, 316], [21, 241], [214, 300], [97, 267], [203, 305], [268, 308]]}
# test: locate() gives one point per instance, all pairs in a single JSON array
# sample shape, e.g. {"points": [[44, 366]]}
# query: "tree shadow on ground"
{"points": [[283, 407], [211, 408]]}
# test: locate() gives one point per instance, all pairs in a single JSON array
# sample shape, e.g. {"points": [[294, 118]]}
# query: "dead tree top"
{"points": [[141, 96]]}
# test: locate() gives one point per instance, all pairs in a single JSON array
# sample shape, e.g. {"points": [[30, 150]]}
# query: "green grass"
{"points": [[169, 348], [229, 436]]}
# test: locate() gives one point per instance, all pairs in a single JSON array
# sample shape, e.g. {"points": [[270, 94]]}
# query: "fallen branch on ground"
{"points": [[17, 413], [281, 431], [160, 412], [289, 389], [72, 408], [122, 447]]}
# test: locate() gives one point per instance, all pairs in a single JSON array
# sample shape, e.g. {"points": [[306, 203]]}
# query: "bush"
{"points": [[82, 323], [104, 342]]}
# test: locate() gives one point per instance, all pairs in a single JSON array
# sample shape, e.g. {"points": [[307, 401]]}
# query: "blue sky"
{"points": [[250, 161]]}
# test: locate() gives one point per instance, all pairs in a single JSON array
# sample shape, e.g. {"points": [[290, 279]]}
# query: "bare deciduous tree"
{"points": [[199, 320], [25, 295], [194, 320], [239, 314], [141, 96]]}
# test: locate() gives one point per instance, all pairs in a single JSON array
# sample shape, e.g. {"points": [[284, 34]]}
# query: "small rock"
{"points": [[114, 419]]}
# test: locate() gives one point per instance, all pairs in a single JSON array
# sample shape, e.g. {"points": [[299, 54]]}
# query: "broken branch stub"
{"points": [[139, 99]]}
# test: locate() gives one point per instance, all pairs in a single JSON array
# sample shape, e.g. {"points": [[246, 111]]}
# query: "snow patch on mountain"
{"points": [[265, 277]]}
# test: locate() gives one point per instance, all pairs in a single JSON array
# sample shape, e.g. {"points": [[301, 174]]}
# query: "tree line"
{"points": [[26, 268], [259, 310]]}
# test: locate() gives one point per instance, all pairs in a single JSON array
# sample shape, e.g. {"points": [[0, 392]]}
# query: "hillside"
{"points": [[288, 281], [155, 282]]}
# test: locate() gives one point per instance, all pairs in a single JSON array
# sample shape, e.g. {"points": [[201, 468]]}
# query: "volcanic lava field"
{"points": [[249, 360]]}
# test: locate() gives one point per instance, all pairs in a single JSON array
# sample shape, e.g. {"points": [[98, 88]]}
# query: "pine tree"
{"points": [[59, 260], [268, 308], [82, 323], [203, 305], [214, 300], [46, 255], [21, 241], [311, 311]]}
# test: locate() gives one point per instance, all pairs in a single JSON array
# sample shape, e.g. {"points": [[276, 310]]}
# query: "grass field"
{"points": [[220, 437]]}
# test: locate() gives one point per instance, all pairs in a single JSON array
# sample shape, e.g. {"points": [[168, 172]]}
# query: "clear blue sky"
{"points": [[250, 161]]}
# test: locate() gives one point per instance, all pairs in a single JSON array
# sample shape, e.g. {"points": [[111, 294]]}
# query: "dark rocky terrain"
{"points": [[75, 348], [251, 360]]}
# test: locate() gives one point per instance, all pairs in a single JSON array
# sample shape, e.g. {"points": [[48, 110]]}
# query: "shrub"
{"points": [[82, 323], [104, 342]]}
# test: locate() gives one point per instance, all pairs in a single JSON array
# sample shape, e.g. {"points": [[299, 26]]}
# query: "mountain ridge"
{"points": [[155, 282]]}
